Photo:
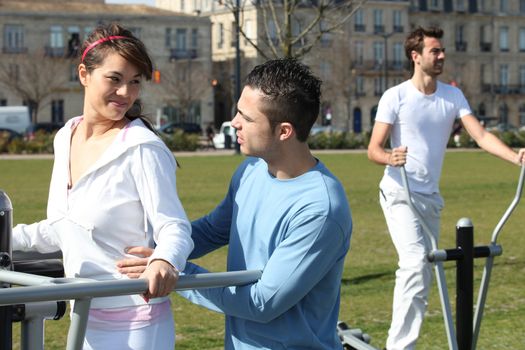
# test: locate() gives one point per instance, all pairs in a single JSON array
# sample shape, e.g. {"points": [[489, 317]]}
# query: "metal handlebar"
{"points": [[487, 271], [83, 290], [438, 266]]}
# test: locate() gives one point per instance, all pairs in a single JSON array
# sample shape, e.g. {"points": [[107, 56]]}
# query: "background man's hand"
{"points": [[398, 157]]}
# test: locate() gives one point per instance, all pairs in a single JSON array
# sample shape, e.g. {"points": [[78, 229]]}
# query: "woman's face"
{"points": [[111, 88]]}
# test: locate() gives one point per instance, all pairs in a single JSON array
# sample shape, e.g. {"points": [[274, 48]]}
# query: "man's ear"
{"points": [[286, 131], [82, 74]]}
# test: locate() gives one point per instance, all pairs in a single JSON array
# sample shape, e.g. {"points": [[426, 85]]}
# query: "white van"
{"points": [[226, 131], [15, 118]]}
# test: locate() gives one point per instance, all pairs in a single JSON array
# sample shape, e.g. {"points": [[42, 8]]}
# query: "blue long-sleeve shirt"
{"points": [[297, 231]]}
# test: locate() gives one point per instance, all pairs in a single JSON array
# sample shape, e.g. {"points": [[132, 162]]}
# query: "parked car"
{"points": [[189, 128], [226, 136], [47, 127], [15, 118], [328, 129]]}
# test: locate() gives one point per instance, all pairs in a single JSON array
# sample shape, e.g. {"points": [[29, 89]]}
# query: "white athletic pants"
{"points": [[414, 275], [160, 335]]}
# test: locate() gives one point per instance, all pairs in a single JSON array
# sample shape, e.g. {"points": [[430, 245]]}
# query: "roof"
{"points": [[56, 8]]}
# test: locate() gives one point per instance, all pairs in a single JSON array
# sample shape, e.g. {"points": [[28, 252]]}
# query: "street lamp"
{"points": [[385, 37], [237, 64]]}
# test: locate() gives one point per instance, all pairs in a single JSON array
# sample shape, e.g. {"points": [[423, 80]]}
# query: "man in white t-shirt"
{"points": [[418, 116]]}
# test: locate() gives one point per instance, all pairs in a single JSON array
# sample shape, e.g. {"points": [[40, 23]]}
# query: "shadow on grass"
{"points": [[366, 278]]}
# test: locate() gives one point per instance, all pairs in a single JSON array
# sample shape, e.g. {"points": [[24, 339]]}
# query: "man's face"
{"points": [[432, 58], [254, 133]]}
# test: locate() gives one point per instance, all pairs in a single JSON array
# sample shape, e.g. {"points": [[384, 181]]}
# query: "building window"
{"points": [[233, 34], [485, 39], [379, 27], [522, 39], [460, 5], [136, 31], [14, 38], [522, 6], [360, 85], [398, 55], [434, 4], [503, 6], [180, 39], [220, 35], [522, 114], [57, 111], [56, 37], [194, 38], [379, 50], [359, 25], [359, 52], [522, 79], [504, 78], [167, 37], [73, 41], [73, 72], [3, 102], [504, 39], [398, 21], [14, 72], [461, 44], [182, 6], [378, 86], [248, 31]]}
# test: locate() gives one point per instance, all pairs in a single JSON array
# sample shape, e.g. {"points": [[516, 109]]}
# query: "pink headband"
{"points": [[99, 41]]}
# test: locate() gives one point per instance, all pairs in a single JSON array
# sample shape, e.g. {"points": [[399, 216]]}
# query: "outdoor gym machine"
{"points": [[40, 294], [463, 254]]}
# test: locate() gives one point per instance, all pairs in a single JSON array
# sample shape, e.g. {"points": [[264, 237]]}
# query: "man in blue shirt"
{"points": [[284, 214]]}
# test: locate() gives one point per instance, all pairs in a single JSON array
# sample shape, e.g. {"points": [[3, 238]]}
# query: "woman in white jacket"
{"points": [[113, 186]]}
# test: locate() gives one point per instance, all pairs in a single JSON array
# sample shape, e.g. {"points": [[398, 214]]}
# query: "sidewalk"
{"points": [[223, 152]]}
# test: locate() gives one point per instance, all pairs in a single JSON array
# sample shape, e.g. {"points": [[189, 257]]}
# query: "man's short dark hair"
{"points": [[292, 93], [415, 41]]}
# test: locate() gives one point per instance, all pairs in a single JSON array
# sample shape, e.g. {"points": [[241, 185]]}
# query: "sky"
{"points": [[144, 2]]}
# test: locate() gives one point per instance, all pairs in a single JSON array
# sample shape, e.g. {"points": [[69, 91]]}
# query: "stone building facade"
{"points": [[43, 36]]}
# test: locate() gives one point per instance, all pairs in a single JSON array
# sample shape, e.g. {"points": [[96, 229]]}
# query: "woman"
{"points": [[113, 186]]}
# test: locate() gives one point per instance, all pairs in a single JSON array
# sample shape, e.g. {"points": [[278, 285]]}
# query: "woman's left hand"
{"points": [[162, 278]]}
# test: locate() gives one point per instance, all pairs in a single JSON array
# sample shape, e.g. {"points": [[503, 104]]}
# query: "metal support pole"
{"points": [[6, 219], [465, 283], [34, 314], [78, 325]]}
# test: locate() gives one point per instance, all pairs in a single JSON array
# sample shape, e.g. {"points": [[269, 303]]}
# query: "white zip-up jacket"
{"points": [[128, 197]]}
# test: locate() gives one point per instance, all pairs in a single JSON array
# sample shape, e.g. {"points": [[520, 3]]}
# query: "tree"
{"points": [[34, 77], [182, 84], [293, 27]]}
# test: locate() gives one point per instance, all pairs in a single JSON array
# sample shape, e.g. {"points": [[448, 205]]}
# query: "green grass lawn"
{"points": [[474, 185]]}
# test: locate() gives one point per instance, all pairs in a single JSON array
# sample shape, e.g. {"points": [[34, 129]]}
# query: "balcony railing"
{"points": [[54, 51], [359, 28], [178, 54], [485, 47], [461, 46], [376, 65], [14, 50], [500, 89], [379, 29]]}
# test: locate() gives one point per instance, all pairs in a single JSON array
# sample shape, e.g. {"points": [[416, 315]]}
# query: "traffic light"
{"points": [[156, 76]]}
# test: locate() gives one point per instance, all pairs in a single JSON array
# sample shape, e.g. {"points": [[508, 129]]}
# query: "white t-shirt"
{"points": [[423, 123]]}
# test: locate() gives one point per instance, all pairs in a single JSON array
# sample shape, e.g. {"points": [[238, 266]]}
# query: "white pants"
{"points": [[160, 335], [414, 275]]}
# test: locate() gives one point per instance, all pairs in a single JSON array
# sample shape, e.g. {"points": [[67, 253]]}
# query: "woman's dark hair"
{"points": [[113, 38]]}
